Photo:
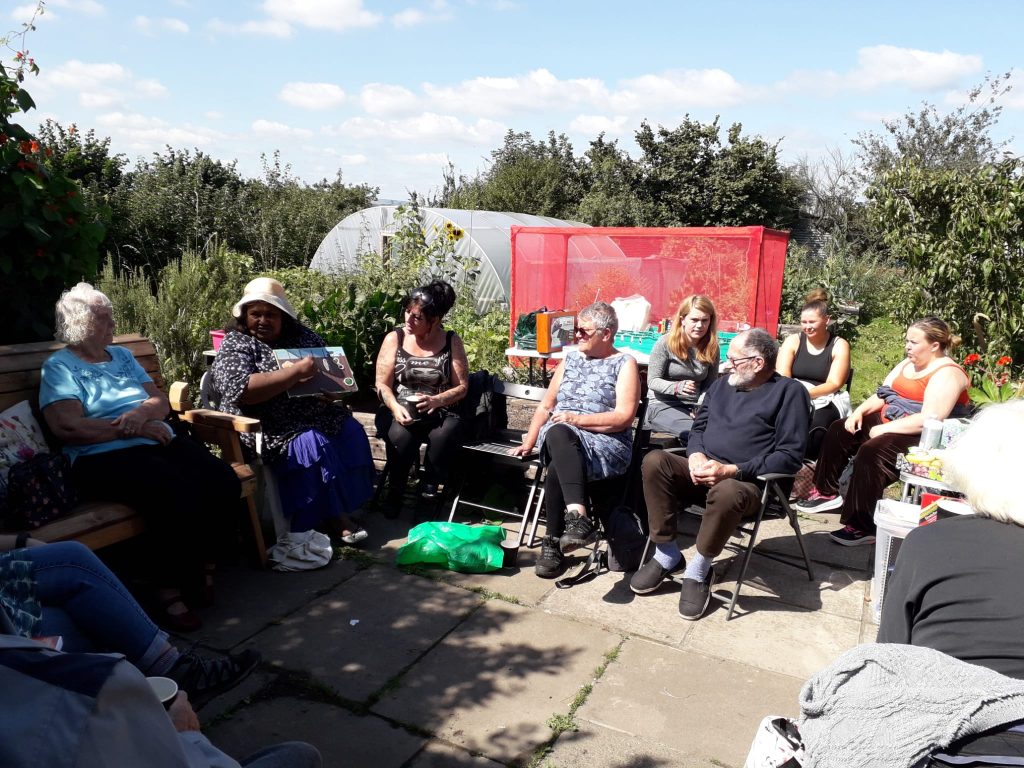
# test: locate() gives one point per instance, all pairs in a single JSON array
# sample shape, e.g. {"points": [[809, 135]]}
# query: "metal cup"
{"points": [[509, 553]]}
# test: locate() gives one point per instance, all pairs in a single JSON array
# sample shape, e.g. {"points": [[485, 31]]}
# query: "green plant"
{"points": [[47, 235], [990, 382]]}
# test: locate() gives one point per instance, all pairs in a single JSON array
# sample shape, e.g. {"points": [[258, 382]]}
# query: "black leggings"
{"points": [[820, 422], [185, 493], [566, 479], [403, 443]]}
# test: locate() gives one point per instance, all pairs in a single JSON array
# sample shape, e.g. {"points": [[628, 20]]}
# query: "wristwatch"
{"points": [[739, 473]]}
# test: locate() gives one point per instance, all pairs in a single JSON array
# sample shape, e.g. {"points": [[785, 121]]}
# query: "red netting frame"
{"points": [[739, 268]]}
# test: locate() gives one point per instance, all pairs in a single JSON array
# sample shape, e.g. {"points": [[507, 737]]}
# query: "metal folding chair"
{"points": [[495, 448]]}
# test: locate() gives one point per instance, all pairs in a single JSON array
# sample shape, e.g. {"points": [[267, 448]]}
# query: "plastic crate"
{"points": [[641, 341], [894, 520]]}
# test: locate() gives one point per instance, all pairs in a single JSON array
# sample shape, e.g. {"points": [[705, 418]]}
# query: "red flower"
{"points": [[49, 152], [3, 139], [18, 56], [33, 145], [972, 358], [70, 220], [1004, 360], [25, 147]]}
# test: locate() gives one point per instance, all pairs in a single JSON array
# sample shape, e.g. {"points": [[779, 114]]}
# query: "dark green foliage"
{"points": [[49, 237]]}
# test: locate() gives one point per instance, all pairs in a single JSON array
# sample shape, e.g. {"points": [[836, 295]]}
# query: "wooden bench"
{"points": [[101, 524]]}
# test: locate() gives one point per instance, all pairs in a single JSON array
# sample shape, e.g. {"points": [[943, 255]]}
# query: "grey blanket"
{"points": [[884, 704]]}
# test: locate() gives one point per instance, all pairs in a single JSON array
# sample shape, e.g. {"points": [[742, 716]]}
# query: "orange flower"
{"points": [[972, 358], [1004, 360], [33, 145]]}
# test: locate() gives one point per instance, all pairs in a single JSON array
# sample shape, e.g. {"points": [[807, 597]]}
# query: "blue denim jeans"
{"points": [[89, 607]]}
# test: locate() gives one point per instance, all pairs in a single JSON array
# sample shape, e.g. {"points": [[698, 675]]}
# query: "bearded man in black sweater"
{"points": [[752, 422]]}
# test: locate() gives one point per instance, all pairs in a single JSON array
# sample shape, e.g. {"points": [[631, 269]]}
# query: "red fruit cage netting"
{"points": [[738, 268]]}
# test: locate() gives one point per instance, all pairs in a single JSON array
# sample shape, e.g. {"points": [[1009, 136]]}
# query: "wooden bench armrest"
{"points": [[205, 417]]}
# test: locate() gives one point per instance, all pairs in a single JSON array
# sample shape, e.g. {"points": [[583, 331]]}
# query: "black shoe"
{"points": [[580, 531], [428, 491], [650, 575], [695, 596], [202, 678], [551, 561]]}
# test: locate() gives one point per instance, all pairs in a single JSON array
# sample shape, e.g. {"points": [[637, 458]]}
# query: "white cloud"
{"points": [[885, 64], [387, 100], [592, 125], [426, 159], [88, 7], [149, 25], [428, 126], [356, 159], [213, 115], [151, 134], [22, 14], [537, 91], [264, 28], [312, 95], [269, 128], [100, 85], [334, 15], [679, 89], [439, 10]]}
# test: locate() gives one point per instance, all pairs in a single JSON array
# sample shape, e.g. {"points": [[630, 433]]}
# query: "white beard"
{"points": [[741, 381]]}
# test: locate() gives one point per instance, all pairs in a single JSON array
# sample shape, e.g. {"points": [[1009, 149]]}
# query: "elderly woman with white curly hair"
{"points": [[957, 583], [109, 415]]}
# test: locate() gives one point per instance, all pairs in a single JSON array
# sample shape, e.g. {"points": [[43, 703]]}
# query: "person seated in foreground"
{"points": [[751, 423], [820, 360], [319, 453], [64, 590], [928, 384], [96, 710], [422, 372], [583, 427], [957, 582], [683, 364], [108, 415]]}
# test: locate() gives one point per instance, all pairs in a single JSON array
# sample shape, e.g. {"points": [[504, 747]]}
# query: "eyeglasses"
{"points": [[586, 333], [734, 361]]}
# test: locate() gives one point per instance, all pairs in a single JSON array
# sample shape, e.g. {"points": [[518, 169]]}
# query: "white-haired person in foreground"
{"points": [[957, 583]]}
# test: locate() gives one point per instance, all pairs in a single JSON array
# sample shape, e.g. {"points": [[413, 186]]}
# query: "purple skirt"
{"points": [[322, 478]]}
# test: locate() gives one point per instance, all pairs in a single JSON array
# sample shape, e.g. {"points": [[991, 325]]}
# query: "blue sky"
{"points": [[389, 91]]}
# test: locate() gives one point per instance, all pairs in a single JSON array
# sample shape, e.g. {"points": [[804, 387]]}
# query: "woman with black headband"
{"points": [[422, 372]]}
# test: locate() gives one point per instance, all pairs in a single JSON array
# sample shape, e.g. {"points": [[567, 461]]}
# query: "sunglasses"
{"points": [[586, 333]]}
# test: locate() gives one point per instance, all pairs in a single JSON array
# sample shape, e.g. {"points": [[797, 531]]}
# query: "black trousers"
{"points": [[820, 422], [185, 493], [566, 478], [873, 469], [442, 434]]}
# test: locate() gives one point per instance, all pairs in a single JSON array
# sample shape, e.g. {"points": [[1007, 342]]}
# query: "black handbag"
{"points": [[38, 491]]}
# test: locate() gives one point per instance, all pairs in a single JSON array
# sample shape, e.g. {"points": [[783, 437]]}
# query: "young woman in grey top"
{"points": [[683, 364]]}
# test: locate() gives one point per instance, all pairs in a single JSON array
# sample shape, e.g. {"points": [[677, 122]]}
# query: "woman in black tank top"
{"points": [[422, 372], [820, 360]]}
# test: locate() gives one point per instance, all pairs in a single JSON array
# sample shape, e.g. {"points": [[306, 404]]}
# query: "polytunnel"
{"points": [[487, 238]]}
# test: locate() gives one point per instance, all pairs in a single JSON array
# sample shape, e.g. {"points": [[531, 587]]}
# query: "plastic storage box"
{"points": [[894, 520]]}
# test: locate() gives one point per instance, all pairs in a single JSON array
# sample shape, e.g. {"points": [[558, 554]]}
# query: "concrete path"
{"points": [[382, 668]]}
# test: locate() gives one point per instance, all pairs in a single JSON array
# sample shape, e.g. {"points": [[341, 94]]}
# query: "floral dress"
{"points": [[588, 386]]}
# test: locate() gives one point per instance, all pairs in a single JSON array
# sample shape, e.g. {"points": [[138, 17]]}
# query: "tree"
{"points": [[961, 231], [958, 140], [688, 178], [526, 176], [48, 237], [174, 203], [283, 221], [609, 176]]}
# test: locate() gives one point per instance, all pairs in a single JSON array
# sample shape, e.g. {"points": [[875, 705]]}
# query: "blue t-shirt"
{"points": [[105, 390]]}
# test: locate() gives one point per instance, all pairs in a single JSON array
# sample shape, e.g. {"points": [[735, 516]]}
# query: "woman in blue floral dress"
{"points": [[583, 427]]}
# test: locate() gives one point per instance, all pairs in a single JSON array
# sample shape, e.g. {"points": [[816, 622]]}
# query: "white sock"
{"points": [[697, 569], [667, 555]]}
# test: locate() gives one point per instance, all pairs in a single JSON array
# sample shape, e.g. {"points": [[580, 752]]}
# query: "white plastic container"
{"points": [[894, 520]]}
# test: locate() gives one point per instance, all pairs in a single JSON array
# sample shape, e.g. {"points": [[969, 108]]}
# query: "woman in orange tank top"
{"points": [[931, 385]]}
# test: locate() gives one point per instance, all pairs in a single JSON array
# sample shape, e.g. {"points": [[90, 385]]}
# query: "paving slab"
{"points": [[249, 599], [777, 535], [771, 635], [397, 618], [593, 745], [438, 755], [835, 590], [702, 708], [607, 601], [491, 685], [343, 738]]}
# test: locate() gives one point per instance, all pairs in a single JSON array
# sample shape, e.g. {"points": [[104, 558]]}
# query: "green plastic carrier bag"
{"points": [[458, 547]]}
